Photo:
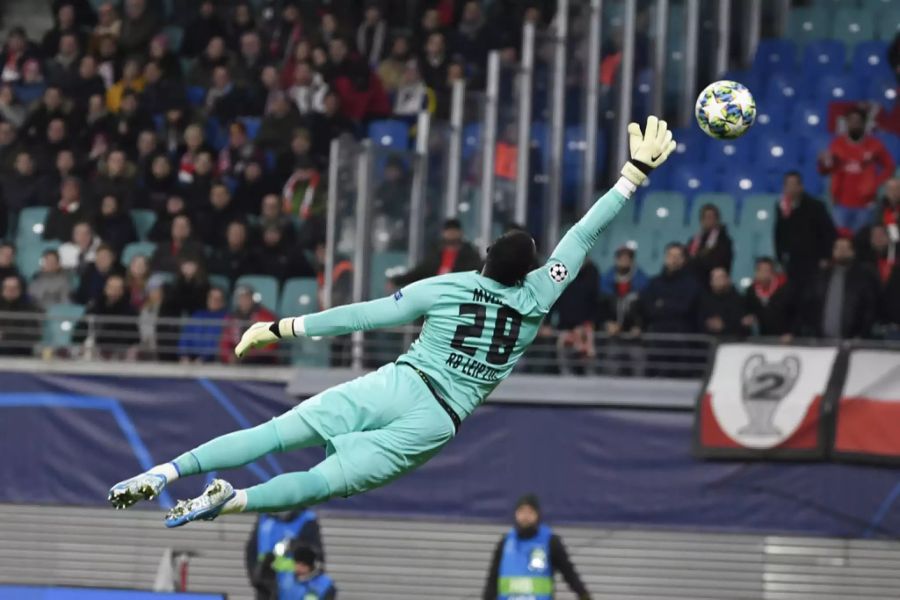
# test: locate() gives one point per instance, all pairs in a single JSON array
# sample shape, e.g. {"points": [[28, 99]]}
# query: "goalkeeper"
{"points": [[386, 423]]}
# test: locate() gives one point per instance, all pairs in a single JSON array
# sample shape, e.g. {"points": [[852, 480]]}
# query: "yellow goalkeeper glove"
{"points": [[649, 149], [263, 334]]}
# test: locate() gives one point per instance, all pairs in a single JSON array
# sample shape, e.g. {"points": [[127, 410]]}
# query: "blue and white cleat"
{"points": [[145, 486], [204, 507]]}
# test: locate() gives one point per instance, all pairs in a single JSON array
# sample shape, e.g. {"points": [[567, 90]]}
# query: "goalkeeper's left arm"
{"points": [[403, 307]]}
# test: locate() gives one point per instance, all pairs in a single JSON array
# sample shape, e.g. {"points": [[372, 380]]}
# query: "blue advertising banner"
{"points": [[65, 439], [29, 592]]}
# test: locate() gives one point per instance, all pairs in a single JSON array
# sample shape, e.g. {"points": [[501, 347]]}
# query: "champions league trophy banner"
{"points": [[767, 401], [867, 416]]}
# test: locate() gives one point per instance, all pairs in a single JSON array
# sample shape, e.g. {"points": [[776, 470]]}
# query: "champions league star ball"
{"points": [[725, 110]]}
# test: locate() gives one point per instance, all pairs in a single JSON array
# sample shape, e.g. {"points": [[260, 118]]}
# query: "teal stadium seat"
{"points": [[663, 220], [808, 24], [28, 256], [755, 236], [143, 221], [299, 296], [726, 203], [31, 224], [265, 289], [137, 248], [383, 265], [60, 324], [889, 23], [852, 26], [222, 282]]}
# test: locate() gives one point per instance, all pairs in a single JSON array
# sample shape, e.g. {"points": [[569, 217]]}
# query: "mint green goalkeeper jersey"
{"points": [[476, 329]]}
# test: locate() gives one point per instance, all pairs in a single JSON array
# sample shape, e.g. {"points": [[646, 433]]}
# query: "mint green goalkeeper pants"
{"points": [[375, 428]]}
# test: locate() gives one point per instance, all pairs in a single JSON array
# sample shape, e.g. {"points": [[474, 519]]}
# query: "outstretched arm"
{"points": [[404, 306], [649, 149]]}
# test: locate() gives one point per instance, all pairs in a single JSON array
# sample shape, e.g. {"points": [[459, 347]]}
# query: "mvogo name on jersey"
{"points": [[762, 397]]}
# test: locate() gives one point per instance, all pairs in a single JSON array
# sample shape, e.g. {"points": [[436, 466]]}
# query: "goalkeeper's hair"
{"points": [[510, 258]]}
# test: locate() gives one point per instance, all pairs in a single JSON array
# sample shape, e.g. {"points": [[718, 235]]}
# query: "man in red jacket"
{"points": [[858, 164]]}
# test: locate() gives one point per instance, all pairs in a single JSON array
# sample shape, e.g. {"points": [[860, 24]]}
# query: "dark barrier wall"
{"points": [[64, 439]]}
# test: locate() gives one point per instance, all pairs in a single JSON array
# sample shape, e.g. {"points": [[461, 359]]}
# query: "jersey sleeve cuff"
{"points": [[299, 327], [625, 187]]}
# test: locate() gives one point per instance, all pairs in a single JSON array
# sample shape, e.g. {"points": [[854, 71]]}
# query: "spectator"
{"points": [[116, 178], [272, 215], [252, 186], [20, 189], [575, 315], [179, 247], [18, 332], [435, 62], [889, 308], [64, 24], [278, 124], [360, 91], [51, 285], [158, 186], [272, 538], [669, 302], [161, 54], [8, 261], [196, 190], [189, 291], [55, 141], [412, 95], [768, 301], [273, 257], [32, 86], [308, 90], [94, 276], [454, 255], [300, 157], [234, 258], [62, 69], [81, 250], [218, 213], [136, 280], [804, 233], [130, 123], [132, 80], [224, 100], [858, 164], [162, 227], [471, 39], [307, 579], [64, 167], [107, 60], [842, 300], [720, 312], [50, 106], [327, 126], [371, 34], [194, 145], [215, 55], [711, 247], [341, 278], [156, 332], [109, 25], [250, 60], [87, 83], [532, 552], [888, 210], [246, 311], [199, 341], [619, 314], [99, 129], [139, 25], [161, 92], [625, 277], [239, 151], [874, 248], [392, 69], [114, 226], [11, 109], [392, 195], [68, 211], [203, 28], [109, 323], [13, 56], [242, 21]]}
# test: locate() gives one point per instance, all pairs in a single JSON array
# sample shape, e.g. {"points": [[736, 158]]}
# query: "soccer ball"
{"points": [[725, 110]]}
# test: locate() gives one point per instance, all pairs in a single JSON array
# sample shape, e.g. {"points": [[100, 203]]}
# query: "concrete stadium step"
{"points": [[396, 559]]}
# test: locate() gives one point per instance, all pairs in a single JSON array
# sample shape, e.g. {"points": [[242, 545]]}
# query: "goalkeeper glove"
{"points": [[263, 334], [648, 149]]}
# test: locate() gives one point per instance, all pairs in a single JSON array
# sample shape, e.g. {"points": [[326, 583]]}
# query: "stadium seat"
{"points": [[222, 282], [775, 54], [870, 59], [725, 154], [691, 178], [781, 90], [31, 223], [136, 248], [252, 125], [882, 90], [265, 289], [392, 133], [889, 24], [742, 179], [836, 88], [60, 324], [384, 264], [691, 142], [175, 35], [853, 25], [657, 207], [768, 119], [823, 57], [807, 119], [619, 233], [196, 95], [471, 140], [659, 227], [808, 23], [726, 203], [28, 256], [143, 221], [755, 237], [891, 142], [773, 152], [299, 296]]}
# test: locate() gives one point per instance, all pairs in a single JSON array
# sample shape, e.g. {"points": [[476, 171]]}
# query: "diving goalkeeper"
{"points": [[379, 426]]}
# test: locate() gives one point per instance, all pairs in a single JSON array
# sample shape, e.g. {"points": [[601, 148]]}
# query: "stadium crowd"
{"points": [[218, 116]]}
